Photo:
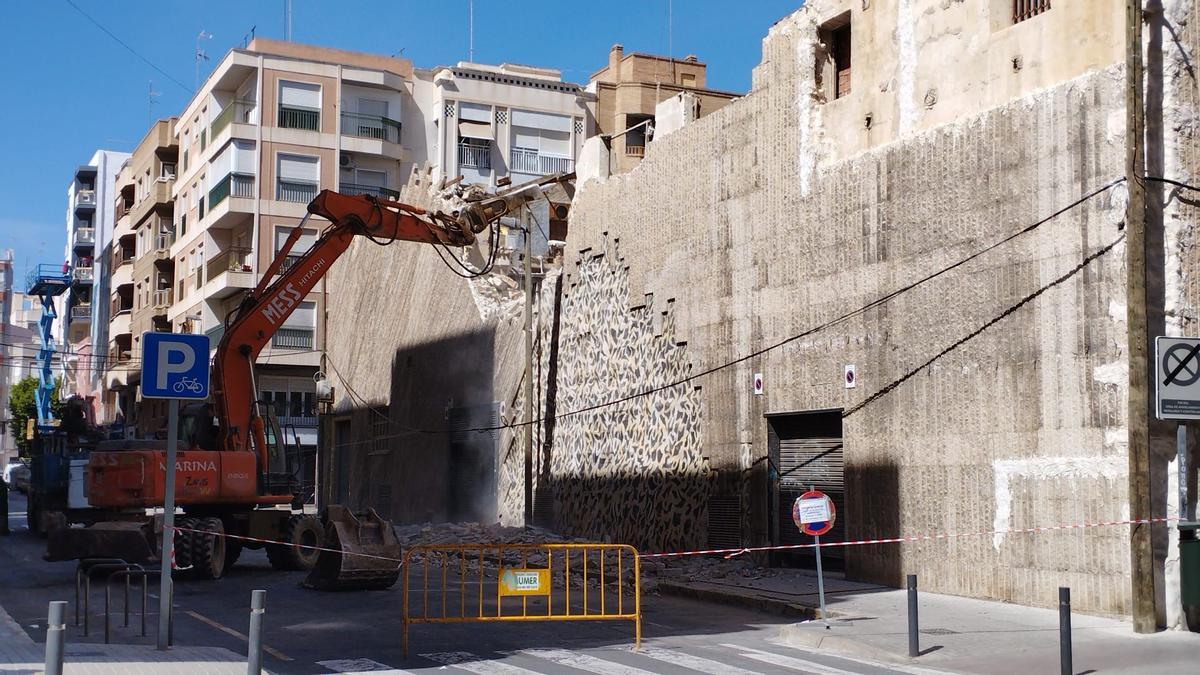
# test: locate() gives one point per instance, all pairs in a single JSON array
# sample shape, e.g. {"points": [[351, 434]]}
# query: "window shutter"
{"points": [[305, 316], [299, 168], [300, 95], [302, 244]]}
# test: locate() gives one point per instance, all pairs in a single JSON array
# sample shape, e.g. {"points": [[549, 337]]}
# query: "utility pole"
{"points": [[528, 369], [1142, 557], [471, 31]]}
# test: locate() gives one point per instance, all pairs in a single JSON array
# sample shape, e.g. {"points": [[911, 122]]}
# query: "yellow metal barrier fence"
{"points": [[521, 582]]}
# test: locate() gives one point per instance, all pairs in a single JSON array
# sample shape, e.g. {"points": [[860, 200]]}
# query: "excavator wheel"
{"points": [[233, 551], [301, 532], [208, 550], [184, 546]]}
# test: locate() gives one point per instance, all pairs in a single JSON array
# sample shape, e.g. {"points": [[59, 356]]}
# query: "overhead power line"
{"points": [[828, 324], [124, 44]]}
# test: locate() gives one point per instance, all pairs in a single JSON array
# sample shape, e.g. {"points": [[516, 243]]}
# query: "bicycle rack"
{"points": [[114, 568]]}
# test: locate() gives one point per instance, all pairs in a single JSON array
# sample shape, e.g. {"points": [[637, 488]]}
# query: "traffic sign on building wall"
{"points": [[1177, 378]]}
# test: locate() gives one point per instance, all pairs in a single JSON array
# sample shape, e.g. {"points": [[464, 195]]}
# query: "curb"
{"points": [[799, 637], [762, 603]]}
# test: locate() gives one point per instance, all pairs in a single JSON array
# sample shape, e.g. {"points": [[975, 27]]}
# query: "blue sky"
{"points": [[76, 89]]}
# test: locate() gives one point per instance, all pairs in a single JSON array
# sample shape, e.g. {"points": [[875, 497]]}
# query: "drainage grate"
{"points": [[939, 631]]}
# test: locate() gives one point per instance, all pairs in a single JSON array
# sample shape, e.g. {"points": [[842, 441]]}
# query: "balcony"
{"points": [[85, 237], [293, 338], [370, 126], [215, 334], [161, 302], [295, 191], [372, 190], [118, 352], [526, 160], [288, 262], [298, 421], [299, 118], [235, 184], [240, 112], [121, 257], [83, 275], [85, 199], [81, 313], [635, 150], [475, 156], [162, 246], [228, 273], [123, 206]]}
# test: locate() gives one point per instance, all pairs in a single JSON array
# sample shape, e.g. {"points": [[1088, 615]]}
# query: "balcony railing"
{"points": [[121, 257], [83, 274], [122, 207], [163, 241], [236, 184], [293, 338], [215, 334], [527, 160], [85, 198], [162, 298], [288, 262], [475, 156], [85, 236], [81, 313], [298, 421], [373, 190], [235, 259], [635, 150], [295, 191], [118, 353], [370, 126], [299, 118], [241, 112]]}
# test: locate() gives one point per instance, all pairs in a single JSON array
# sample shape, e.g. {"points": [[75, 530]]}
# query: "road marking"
{"points": [[697, 663], [790, 662], [226, 629], [347, 666], [472, 664], [584, 662]]}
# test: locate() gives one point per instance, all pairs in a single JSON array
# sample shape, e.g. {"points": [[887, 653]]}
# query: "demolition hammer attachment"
{"points": [[359, 554]]}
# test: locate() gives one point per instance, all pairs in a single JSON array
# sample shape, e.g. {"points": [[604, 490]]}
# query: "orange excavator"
{"points": [[233, 469]]}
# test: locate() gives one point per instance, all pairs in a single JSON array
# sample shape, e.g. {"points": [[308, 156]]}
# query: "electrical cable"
{"points": [[127, 47], [833, 322]]}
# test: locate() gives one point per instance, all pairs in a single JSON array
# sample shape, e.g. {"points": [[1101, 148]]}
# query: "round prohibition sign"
{"points": [[1189, 373], [815, 529]]}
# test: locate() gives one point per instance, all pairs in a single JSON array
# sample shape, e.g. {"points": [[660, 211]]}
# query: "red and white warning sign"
{"points": [[814, 513]]}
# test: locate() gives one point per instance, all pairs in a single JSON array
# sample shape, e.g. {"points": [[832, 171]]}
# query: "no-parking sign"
{"points": [[814, 513]]}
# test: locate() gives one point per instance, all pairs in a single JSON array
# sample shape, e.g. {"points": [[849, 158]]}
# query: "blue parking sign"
{"points": [[174, 365]]}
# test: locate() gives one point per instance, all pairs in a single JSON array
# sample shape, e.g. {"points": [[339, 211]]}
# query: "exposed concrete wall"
{"points": [[747, 220]]}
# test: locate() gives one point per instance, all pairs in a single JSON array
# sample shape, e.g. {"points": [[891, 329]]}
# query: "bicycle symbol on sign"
{"points": [[191, 384]]}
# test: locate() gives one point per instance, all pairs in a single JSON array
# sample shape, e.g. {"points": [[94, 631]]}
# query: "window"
{"points": [[833, 62], [687, 79], [380, 423], [1027, 9], [302, 245], [299, 176], [475, 153], [167, 170], [299, 105]]}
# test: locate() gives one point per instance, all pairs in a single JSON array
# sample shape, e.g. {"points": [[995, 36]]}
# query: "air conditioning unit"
{"points": [[346, 160]]}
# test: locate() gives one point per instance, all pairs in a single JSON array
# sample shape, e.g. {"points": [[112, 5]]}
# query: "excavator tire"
{"points": [[208, 550], [184, 547], [233, 551], [300, 533]]}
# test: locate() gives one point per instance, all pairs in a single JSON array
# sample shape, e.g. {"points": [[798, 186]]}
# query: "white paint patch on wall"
{"points": [[807, 112], [1115, 373], [1110, 468], [906, 65]]}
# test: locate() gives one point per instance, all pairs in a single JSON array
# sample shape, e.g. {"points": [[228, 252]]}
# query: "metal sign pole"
{"points": [[168, 539], [821, 582]]}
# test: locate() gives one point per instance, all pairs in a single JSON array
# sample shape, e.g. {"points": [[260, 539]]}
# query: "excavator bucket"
{"points": [[359, 554], [130, 541]]}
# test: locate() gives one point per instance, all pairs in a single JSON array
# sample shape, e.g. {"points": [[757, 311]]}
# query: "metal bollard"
{"points": [[258, 603], [1064, 629], [914, 640], [56, 635]]}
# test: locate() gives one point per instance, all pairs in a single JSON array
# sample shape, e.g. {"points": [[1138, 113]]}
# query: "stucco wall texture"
{"points": [[742, 222]]}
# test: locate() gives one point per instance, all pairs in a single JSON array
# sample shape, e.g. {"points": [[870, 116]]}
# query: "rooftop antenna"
{"points": [[670, 38], [248, 37], [287, 20], [200, 55], [471, 31], [151, 95]]}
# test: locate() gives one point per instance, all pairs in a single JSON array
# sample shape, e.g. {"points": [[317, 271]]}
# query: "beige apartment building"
{"points": [[141, 274], [272, 125], [630, 87]]}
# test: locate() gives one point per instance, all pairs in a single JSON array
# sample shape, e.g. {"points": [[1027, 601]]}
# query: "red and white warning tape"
{"points": [[732, 552]]}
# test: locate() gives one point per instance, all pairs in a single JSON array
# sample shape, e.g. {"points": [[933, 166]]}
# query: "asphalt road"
{"points": [[313, 632]]}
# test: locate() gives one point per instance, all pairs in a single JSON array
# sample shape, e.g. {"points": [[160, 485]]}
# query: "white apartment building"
{"points": [[81, 328], [272, 125]]}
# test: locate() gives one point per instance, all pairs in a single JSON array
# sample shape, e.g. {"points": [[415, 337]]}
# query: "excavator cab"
{"points": [[279, 476]]}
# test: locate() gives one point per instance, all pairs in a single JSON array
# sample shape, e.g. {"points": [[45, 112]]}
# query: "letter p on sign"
{"points": [[174, 365]]}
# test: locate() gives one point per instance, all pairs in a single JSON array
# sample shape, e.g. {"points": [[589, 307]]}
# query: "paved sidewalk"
{"points": [[957, 634], [19, 653]]}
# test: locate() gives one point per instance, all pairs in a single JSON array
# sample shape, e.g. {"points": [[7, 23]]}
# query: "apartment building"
{"points": [[271, 126], [141, 274], [486, 123], [81, 328], [631, 86]]}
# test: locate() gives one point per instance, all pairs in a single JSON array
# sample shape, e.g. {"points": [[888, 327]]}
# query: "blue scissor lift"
{"points": [[50, 469]]}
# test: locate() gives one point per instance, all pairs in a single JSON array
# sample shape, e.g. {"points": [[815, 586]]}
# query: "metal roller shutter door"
{"points": [[805, 463]]}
